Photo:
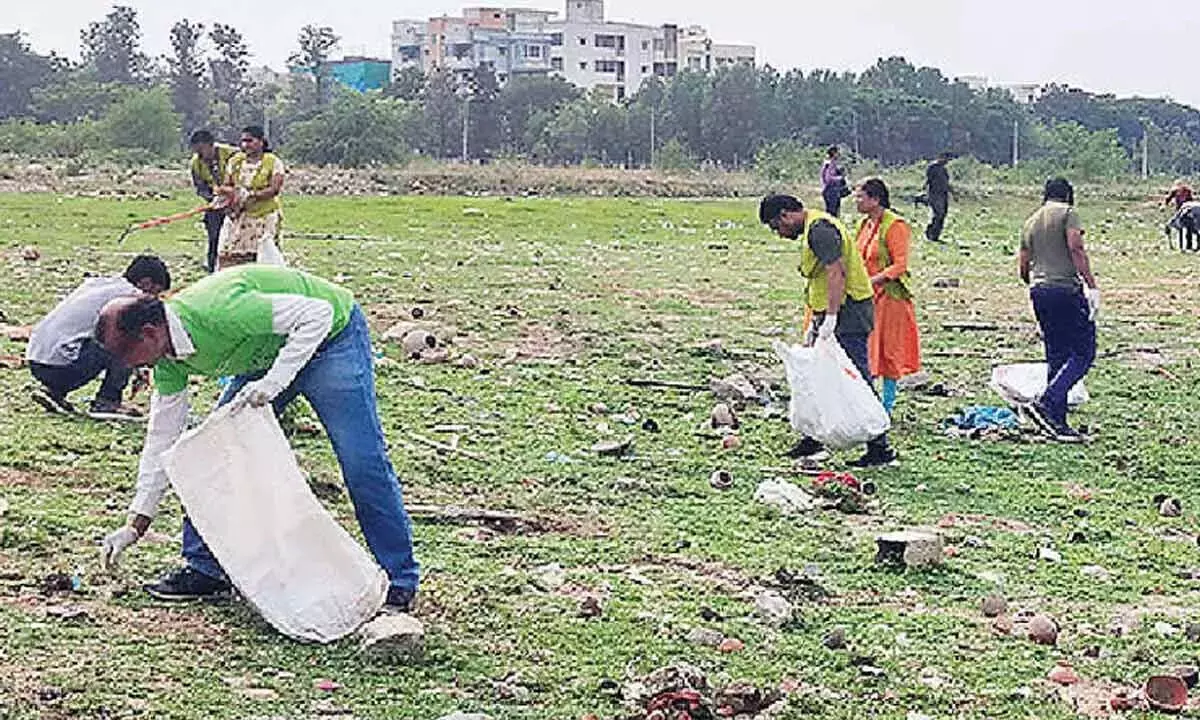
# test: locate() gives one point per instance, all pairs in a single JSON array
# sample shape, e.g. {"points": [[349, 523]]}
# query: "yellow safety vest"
{"points": [[901, 287], [260, 181], [858, 283], [200, 169]]}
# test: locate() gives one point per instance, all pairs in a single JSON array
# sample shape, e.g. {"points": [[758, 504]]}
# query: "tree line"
{"points": [[894, 113]]}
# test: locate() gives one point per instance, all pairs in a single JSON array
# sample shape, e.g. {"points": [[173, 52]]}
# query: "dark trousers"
{"points": [[832, 194], [212, 224], [93, 360], [1070, 339], [856, 348], [940, 205]]}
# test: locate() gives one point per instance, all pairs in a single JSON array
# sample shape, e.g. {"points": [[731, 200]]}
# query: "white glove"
{"points": [[1093, 301], [256, 394], [115, 543], [828, 327]]}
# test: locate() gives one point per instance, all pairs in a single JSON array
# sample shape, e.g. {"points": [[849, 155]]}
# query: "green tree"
{"points": [[357, 130], [442, 116], [524, 104], [186, 72], [75, 95], [144, 120], [408, 84], [313, 57], [111, 48], [21, 72], [229, 70]]}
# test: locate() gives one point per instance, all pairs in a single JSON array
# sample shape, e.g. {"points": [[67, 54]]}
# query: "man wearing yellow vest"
{"points": [[210, 159], [838, 293]]}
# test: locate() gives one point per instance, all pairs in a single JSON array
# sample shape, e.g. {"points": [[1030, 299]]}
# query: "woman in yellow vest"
{"points": [[884, 239], [255, 179], [838, 295]]}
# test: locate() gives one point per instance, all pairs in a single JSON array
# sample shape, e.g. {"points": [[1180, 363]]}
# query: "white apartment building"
{"points": [[582, 46], [1023, 93]]}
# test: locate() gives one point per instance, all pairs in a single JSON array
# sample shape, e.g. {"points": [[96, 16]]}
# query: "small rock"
{"points": [[392, 638], [417, 342], [994, 606], [909, 548], [735, 389], [773, 608], [1043, 630], [549, 577], [722, 416], [1063, 675], [731, 442], [1165, 629], [589, 607], [613, 448], [1002, 625], [1096, 572], [835, 639], [468, 361], [598, 408], [29, 253], [731, 645], [705, 637], [1171, 507], [327, 685], [1193, 632]]}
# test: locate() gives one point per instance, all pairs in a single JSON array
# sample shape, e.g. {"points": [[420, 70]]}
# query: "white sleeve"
{"points": [[305, 322], [168, 418]]}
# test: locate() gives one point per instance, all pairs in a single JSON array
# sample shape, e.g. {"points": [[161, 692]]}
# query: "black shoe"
{"points": [[110, 410], [187, 584], [876, 457], [808, 449], [400, 599], [52, 403], [1036, 412]]}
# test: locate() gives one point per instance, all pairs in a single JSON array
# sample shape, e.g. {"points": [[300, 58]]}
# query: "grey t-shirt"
{"points": [[57, 338], [1044, 237], [856, 317]]}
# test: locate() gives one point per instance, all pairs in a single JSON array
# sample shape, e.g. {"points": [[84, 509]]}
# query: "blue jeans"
{"points": [[339, 383], [1070, 339], [92, 360]]}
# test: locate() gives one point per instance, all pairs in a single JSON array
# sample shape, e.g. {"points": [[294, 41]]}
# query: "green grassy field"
{"points": [[563, 301]]}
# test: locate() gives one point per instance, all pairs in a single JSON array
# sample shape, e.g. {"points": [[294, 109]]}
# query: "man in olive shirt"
{"points": [[1055, 265], [839, 294]]}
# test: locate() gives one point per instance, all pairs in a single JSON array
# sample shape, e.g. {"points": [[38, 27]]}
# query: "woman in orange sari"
{"points": [[883, 241]]}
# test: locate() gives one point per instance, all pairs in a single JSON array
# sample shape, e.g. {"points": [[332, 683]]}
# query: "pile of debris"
{"points": [[681, 692]]}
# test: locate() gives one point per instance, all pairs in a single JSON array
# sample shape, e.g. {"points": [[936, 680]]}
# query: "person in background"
{"points": [[1179, 194], [254, 180], [283, 333], [62, 354], [833, 182], [884, 239], [210, 160], [937, 191], [1186, 220], [838, 294], [1054, 263]]}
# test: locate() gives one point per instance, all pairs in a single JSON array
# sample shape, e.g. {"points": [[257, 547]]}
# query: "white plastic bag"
{"points": [[1024, 382], [831, 402], [270, 254], [239, 482]]}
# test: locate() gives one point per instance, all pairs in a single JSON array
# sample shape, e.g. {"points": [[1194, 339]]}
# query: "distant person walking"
{"points": [[1055, 265], [883, 240], [210, 160], [254, 180], [937, 189], [833, 182], [1186, 220]]}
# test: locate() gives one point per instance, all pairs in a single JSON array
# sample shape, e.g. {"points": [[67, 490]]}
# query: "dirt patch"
{"points": [[697, 573], [175, 624], [540, 343], [11, 477], [707, 298]]}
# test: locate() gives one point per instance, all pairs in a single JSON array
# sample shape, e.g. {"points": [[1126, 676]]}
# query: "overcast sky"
{"points": [[1100, 46]]}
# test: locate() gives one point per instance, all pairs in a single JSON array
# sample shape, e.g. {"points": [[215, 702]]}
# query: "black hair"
{"points": [[833, 150], [201, 137], [146, 310], [946, 156], [151, 268], [256, 131], [773, 205], [875, 188], [1060, 190]]}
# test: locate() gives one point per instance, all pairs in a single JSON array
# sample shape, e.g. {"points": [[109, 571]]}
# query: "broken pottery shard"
{"points": [[911, 548], [394, 638]]}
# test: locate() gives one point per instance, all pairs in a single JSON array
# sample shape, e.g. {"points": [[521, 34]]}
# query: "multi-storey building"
{"points": [[582, 46]]}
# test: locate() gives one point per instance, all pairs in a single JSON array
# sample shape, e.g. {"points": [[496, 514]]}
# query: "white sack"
{"points": [[1023, 383], [239, 482], [831, 402]]}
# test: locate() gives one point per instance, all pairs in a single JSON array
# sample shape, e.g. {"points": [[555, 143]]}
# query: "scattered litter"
{"points": [[1166, 692], [1063, 674], [1170, 507], [789, 499], [549, 577], [327, 685], [1049, 555], [736, 389], [909, 548], [1193, 632], [613, 448], [468, 362], [942, 283], [731, 645], [835, 639], [590, 607], [722, 416], [978, 420], [721, 480], [17, 333], [1095, 572], [30, 253], [472, 212], [67, 612], [731, 442], [843, 491], [916, 381], [1165, 629]]}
